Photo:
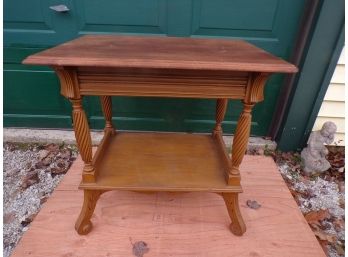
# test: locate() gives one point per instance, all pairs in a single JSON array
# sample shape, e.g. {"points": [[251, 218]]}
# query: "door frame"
{"points": [[307, 23], [303, 93]]}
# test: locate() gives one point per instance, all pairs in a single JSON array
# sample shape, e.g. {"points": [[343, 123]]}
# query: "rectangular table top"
{"points": [[161, 53]]}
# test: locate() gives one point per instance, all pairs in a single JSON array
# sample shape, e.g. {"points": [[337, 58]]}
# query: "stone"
{"points": [[27, 220], [253, 204], [61, 166], [140, 248], [9, 217], [43, 154], [43, 199], [29, 179], [314, 155], [48, 159]]}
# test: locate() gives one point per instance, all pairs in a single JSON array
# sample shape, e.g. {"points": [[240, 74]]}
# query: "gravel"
{"points": [[31, 172], [317, 194]]}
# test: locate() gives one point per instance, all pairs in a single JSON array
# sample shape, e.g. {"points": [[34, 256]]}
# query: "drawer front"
{"points": [[183, 84]]}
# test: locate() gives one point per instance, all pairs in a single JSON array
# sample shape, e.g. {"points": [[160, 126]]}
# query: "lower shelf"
{"points": [[161, 162]]}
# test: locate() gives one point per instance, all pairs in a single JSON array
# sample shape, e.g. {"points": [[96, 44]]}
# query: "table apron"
{"points": [[163, 91], [232, 88]]}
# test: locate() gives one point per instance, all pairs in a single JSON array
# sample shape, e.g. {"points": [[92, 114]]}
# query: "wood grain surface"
{"points": [[162, 83], [161, 162], [161, 52], [107, 65], [174, 224]]}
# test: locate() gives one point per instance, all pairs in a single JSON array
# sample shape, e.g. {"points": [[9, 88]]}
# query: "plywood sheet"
{"points": [[174, 224]]}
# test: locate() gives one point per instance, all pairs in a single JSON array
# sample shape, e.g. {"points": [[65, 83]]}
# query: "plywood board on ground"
{"points": [[174, 224]]}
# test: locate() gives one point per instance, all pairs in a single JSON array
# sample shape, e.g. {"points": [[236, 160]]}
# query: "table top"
{"points": [[161, 52]]}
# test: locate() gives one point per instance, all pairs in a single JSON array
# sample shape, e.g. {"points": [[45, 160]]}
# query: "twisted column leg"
{"points": [[240, 143], [237, 226], [106, 104], [83, 223], [83, 138], [221, 106]]}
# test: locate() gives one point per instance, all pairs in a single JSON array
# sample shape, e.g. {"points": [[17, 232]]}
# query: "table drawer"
{"points": [[163, 83]]}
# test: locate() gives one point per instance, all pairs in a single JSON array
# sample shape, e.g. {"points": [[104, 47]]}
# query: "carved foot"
{"points": [[237, 226], [83, 224]]}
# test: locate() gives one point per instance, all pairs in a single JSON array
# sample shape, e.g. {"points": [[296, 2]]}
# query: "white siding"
{"points": [[332, 108]]}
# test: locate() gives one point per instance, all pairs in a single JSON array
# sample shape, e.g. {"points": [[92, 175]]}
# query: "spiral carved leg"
{"points": [[82, 134], [83, 139], [240, 142], [237, 226], [83, 223], [221, 106], [106, 104]]}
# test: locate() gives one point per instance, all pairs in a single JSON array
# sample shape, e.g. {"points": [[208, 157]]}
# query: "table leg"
{"points": [[240, 143], [83, 224], [83, 139], [106, 104], [237, 226], [221, 106]]}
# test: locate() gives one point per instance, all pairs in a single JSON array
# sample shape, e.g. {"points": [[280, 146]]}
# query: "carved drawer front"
{"points": [[163, 83]]}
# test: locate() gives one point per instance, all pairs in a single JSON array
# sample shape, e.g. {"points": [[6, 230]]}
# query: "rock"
{"points": [[341, 169], [43, 199], [307, 204], [29, 179], [43, 154], [140, 248], [61, 167], [253, 204], [48, 160], [9, 217], [27, 220], [313, 156]]}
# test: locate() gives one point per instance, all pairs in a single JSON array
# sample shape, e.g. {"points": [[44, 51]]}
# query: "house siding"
{"points": [[332, 108]]}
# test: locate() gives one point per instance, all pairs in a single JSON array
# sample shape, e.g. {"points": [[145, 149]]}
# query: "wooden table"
{"points": [[164, 67]]}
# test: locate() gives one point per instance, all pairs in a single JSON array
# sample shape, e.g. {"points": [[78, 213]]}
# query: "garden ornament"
{"points": [[313, 156]]}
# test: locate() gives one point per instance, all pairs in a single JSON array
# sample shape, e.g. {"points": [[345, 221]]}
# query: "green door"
{"points": [[31, 94]]}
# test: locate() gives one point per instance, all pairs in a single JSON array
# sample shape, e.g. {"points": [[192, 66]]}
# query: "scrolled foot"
{"points": [[83, 223], [237, 226], [237, 229], [84, 228]]}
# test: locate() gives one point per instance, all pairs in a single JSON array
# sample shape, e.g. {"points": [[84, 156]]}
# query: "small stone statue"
{"points": [[313, 156]]}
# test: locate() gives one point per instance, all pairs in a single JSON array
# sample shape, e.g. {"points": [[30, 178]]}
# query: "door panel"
{"points": [[269, 24], [132, 16], [33, 23], [234, 15], [31, 97]]}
